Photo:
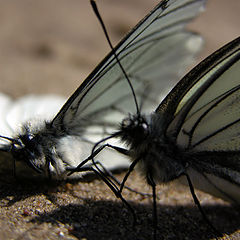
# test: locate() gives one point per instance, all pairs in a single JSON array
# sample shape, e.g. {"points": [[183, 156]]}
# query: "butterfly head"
{"points": [[27, 148], [134, 129]]}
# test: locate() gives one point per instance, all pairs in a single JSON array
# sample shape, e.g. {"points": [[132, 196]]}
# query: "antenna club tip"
{"points": [[94, 6], [93, 2]]}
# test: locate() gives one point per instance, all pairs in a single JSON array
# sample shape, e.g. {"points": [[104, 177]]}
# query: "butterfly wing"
{"points": [[204, 116], [5, 103], [15, 113], [145, 54], [104, 98]]}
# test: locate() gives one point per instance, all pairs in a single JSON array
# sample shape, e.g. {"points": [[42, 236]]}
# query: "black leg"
{"points": [[131, 167], [116, 191], [94, 167], [111, 176], [94, 154], [155, 219], [196, 201], [154, 209]]}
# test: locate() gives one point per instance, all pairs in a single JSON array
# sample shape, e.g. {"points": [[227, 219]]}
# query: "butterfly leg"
{"points": [[125, 152], [130, 169], [196, 201], [115, 190], [154, 209], [107, 179], [109, 173], [90, 158], [122, 151]]}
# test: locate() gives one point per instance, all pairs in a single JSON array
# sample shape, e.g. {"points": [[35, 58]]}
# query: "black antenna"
{"points": [[95, 9]]}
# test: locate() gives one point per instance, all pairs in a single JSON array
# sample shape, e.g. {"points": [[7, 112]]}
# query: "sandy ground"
{"points": [[44, 43]]}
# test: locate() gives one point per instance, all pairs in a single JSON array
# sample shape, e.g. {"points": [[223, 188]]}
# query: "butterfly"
{"points": [[49, 148], [192, 136], [195, 130]]}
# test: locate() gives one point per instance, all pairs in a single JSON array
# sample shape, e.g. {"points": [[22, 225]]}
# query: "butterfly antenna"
{"points": [[95, 9]]}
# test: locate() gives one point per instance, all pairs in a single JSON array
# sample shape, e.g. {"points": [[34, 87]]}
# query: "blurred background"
{"points": [[51, 46]]}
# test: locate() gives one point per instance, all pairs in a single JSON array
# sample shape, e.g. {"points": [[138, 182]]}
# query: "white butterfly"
{"points": [[195, 131], [193, 135], [153, 55]]}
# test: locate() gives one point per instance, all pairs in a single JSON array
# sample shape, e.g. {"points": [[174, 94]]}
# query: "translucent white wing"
{"points": [[205, 121], [31, 107], [15, 113], [35, 110], [5, 103], [152, 54]]}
